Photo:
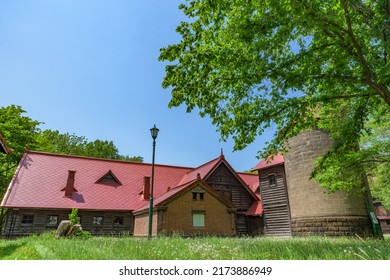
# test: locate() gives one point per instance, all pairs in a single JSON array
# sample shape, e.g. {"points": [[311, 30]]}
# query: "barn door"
{"points": [[275, 204], [242, 225]]}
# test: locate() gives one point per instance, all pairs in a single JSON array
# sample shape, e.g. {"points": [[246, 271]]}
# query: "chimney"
{"points": [[69, 189], [146, 192]]}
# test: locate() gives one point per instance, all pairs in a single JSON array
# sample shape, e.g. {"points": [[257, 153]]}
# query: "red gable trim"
{"points": [[11, 184], [235, 174], [178, 191], [205, 170]]}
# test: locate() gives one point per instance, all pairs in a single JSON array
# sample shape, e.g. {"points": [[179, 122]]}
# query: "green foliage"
{"points": [[22, 133], [71, 144], [360, 149], [74, 216], [250, 65], [200, 248], [83, 234], [19, 131]]}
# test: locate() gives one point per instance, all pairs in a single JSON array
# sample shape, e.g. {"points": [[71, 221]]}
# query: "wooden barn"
{"points": [[113, 196]]}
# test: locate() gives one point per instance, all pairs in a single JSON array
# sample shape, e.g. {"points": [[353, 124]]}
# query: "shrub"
{"points": [[74, 216], [84, 234]]}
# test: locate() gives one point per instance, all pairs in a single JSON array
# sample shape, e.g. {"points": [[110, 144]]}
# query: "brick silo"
{"points": [[312, 211]]}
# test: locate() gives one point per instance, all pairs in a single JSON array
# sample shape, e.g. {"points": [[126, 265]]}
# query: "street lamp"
{"points": [[154, 132]]}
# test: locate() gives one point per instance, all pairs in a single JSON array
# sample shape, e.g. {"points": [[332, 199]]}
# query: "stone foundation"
{"points": [[331, 226]]}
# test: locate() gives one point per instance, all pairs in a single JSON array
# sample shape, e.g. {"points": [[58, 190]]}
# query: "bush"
{"points": [[74, 216], [83, 234]]}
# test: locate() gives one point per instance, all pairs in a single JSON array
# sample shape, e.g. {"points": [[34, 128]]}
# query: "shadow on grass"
{"points": [[8, 249]]}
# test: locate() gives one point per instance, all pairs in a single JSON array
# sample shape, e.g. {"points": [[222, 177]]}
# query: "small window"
{"points": [[195, 195], [118, 221], [52, 220], [198, 220], [388, 222], [109, 178], [272, 180], [97, 220], [27, 220]]}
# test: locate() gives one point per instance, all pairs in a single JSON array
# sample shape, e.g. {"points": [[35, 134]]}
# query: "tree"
{"points": [[52, 141], [251, 64], [20, 133], [71, 144]]}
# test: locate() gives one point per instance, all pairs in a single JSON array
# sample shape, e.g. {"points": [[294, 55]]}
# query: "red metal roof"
{"points": [[161, 200], [40, 179], [202, 170], [252, 180], [269, 162], [255, 210]]}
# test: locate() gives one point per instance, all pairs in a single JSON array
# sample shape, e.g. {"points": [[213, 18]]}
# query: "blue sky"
{"points": [[90, 68]]}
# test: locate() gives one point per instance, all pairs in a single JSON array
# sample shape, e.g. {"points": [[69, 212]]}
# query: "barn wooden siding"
{"points": [[275, 202], [14, 226], [226, 184]]}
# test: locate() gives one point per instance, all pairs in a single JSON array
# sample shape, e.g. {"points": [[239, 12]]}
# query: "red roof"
{"points": [[41, 178], [255, 210], [172, 192], [269, 162], [202, 170]]}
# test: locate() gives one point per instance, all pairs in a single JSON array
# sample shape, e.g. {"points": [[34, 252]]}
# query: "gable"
{"points": [[229, 186], [197, 192], [109, 179]]}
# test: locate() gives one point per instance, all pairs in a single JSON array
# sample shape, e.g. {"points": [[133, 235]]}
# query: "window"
{"points": [[388, 222], [195, 195], [198, 219], [52, 220], [27, 220], [118, 221], [272, 180], [110, 179], [97, 220]]}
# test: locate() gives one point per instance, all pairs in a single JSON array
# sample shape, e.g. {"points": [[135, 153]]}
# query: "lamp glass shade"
{"points": [[154, 132]]}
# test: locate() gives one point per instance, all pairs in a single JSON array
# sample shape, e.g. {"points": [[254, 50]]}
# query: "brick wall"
{"points": [[332, 226], [308, 201], [141, 224], [177, 218]]}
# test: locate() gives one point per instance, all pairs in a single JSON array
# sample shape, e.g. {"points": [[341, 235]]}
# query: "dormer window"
{"points": [[110, 179]]}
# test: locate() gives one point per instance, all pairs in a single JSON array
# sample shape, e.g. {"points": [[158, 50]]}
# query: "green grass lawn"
{"points": [[46, 247]]}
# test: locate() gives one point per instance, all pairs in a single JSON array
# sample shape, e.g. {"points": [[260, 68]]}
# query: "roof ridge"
{"points": [[200, 166]]}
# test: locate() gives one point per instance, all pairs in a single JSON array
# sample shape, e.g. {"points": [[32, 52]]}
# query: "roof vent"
{"points": [[69, 189], [146, 191]]}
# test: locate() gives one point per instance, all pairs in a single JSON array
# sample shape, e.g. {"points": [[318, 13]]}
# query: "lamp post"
{"points": [[154, 132]]}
